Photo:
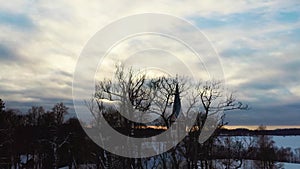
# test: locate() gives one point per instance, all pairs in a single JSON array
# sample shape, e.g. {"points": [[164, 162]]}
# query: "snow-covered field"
{"points": [[280, 141], [249, 164], [291, 166], [287, 141]]}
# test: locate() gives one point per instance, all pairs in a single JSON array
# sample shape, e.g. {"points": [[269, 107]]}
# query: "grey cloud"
{"points": [[63, 73], [51, 86], [287, 114], [238, 52], [6, 53], [46, 103], [9, 54], [261, 84], [19, 21]]}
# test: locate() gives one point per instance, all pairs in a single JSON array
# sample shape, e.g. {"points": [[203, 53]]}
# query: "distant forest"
{"points": [[42, 139], [247, 132]]}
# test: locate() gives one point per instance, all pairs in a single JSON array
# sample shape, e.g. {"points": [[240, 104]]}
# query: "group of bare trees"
{"points": [[32, 139], [134, 101], [138, 94], [252, 151]]}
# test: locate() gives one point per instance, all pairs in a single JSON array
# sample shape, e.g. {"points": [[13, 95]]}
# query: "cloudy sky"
{"points": [[258, 43]]}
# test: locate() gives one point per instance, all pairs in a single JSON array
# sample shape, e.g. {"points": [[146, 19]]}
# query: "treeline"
{"points": [[247, 132], [260, 150], [42, 139]]}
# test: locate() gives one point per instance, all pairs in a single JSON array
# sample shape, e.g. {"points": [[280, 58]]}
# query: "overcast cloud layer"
{"points": [[258, 43]]}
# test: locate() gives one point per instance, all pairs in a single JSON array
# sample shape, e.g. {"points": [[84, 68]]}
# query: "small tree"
{"points": [[56, 140], [34, 116], [59, 111], [2, 105], [266, 154]]}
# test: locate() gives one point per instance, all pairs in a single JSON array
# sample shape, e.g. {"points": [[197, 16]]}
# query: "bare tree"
{"points": [[133, 91], [211, 99], [265, 151], [139, 93], [168, 88], [59, 111], [214, 99], [34, 115], [56, 141], [230, 150]]}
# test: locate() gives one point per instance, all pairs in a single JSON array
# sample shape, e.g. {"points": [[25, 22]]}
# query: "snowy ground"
{"points": [[287, 141], [291, 166]]}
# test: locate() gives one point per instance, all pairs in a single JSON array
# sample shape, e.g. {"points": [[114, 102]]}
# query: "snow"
{"points": [[280, 141], [291, 166], [287, 141]]}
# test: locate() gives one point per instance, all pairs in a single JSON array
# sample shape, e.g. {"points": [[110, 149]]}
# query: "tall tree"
{"points": [[210, 99], [265, 151], [59, 111], [134, 92]]}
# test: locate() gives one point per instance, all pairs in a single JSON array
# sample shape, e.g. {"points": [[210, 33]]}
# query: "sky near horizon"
{"points": [[257, 41]]}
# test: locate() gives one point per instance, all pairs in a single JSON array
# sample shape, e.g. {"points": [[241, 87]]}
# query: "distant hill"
{"points": [[247, 132]]}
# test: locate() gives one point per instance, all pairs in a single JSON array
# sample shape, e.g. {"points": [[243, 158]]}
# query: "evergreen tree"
{"points": [[2, 105]]}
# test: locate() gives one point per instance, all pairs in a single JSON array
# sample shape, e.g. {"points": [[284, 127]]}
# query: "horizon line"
{"points": [[268, 127]]}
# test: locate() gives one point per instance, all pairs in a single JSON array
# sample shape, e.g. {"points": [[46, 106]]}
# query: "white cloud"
{"points": [[47, 52]]}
